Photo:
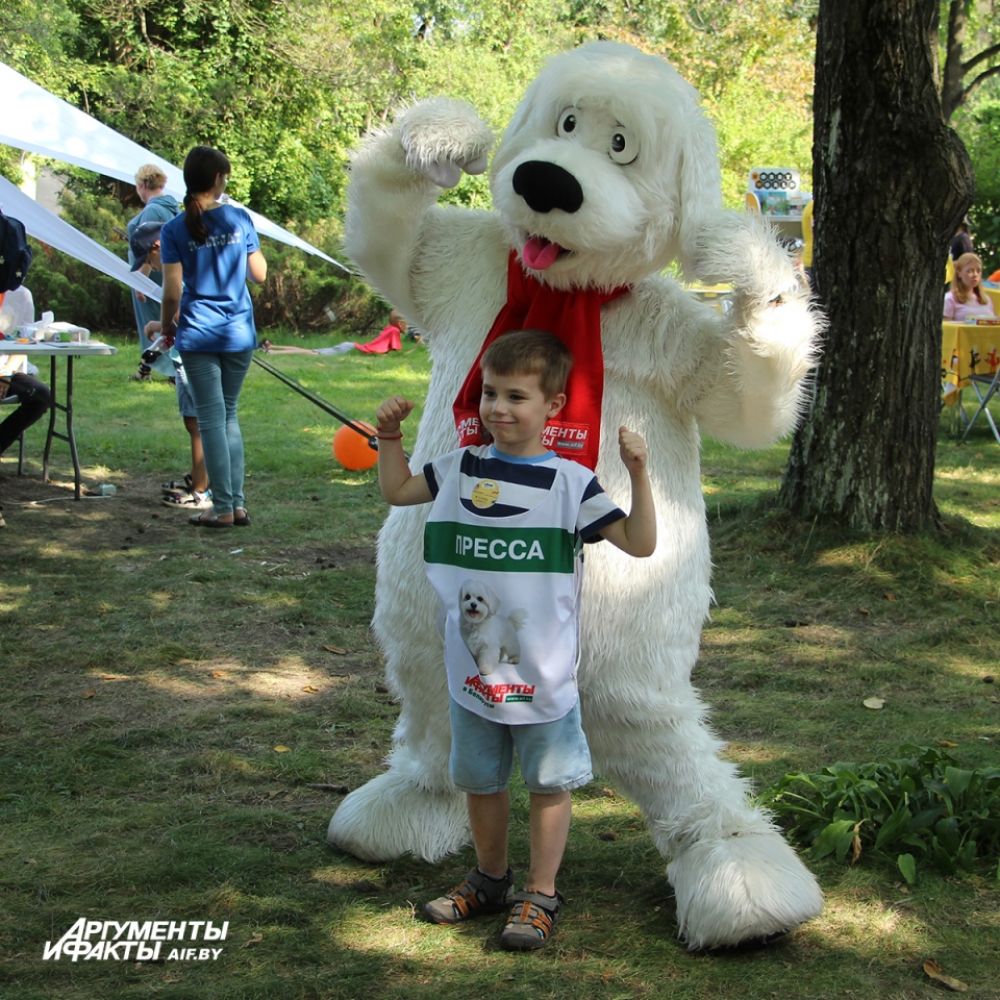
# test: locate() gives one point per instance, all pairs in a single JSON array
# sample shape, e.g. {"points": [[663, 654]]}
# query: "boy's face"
{"points": [[514, 410]]}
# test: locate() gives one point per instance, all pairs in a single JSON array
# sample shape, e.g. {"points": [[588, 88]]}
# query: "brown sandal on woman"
{"points": [[212, 521]]}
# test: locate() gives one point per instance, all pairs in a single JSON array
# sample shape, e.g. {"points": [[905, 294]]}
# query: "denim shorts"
{"points": [[554, 756], [185, 399]]}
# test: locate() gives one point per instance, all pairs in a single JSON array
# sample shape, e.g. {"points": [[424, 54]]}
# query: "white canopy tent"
{"points": [[43, 225], [39, 122]]}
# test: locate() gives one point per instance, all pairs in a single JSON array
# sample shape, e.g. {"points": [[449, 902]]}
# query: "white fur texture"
{"points": [[674, 368]]}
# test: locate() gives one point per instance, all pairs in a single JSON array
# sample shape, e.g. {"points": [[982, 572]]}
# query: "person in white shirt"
{"points": [[17, 375]]}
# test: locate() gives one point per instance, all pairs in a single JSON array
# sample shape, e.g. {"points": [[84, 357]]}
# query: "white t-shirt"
{"points": [[17, 310], [503, 550]]}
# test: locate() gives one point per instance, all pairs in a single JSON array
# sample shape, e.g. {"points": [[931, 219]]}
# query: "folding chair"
{"points": [[985, 387], [11, 398]]}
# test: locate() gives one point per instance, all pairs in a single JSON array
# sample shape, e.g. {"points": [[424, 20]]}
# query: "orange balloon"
{"points": [[352, 450]]}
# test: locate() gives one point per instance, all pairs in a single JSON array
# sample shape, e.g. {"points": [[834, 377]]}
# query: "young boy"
{"points": [[503, 551], [192, 492]]}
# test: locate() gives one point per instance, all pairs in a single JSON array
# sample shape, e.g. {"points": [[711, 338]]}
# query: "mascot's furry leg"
{"points": [[412, 808], [735, 878]]}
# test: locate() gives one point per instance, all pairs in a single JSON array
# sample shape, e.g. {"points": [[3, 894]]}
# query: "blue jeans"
{"points": [[215, 381]]}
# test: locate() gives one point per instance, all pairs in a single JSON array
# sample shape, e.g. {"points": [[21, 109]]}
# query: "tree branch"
{"points": [[979, 57], [985, 75]]}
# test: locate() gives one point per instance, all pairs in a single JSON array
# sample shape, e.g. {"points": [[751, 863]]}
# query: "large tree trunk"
{"points": [[891, 183]]}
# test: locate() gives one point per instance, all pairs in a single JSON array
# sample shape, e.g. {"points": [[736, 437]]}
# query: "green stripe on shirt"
{"points": [[500, 550]]}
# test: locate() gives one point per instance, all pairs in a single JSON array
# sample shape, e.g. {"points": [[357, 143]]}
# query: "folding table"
{"points": [[970, 356], [53, 351]]}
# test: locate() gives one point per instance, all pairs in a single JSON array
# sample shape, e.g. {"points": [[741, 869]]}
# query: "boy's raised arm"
{"points": [[398, 485], [635, 534]]}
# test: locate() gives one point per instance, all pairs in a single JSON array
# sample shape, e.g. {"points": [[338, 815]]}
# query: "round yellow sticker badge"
{"points": [[485, 494]]}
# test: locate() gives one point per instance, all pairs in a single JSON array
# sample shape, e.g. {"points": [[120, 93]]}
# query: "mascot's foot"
{"points": [[741, 889], [391, 816]]}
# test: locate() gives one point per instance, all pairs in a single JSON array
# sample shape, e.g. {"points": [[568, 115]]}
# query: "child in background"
{"points": [[388, 339], [966, 299], [192, 491], [503, 548]]}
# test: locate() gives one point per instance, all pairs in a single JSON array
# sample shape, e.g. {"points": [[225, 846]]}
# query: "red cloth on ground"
{"points": [[575, 318], [388, 340]]}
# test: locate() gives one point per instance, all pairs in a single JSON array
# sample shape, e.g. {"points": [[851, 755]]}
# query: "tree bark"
{"points": [[891, 183]]}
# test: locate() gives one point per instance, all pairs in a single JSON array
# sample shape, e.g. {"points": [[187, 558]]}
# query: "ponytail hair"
{"points": [[201, 168]]}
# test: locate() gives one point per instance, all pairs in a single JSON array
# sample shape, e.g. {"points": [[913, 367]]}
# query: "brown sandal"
{"points": [[531, 922], [209, 522], [476, 895]]}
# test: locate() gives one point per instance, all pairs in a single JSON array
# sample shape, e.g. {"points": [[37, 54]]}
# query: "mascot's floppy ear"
{"points": [[700, 189]]}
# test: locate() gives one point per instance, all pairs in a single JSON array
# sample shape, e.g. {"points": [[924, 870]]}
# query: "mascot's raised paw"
{"points": [[443, 138], [741, 250]]}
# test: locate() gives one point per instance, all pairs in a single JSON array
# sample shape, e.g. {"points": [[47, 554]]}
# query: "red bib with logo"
{"points": [[575, 318]]}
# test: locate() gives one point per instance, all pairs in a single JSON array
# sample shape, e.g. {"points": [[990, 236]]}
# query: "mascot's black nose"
{"points": [[545, 186]]}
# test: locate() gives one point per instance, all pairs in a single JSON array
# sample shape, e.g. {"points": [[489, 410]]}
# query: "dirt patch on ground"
{"points": [[48, 509], [134, 515], [97, 577]]}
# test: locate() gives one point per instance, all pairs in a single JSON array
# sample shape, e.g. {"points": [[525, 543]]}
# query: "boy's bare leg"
{"points": [[199, 474], [550, 819], [488, 815]]}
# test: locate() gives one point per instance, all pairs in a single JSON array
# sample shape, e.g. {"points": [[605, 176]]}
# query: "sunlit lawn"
{"points": [[183, 711]]}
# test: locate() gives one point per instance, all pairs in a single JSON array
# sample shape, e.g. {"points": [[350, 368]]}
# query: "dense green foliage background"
{"points": [[286, 90]]}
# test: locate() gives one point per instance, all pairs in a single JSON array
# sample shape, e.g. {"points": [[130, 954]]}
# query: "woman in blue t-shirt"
{"points": [[208, 253]]}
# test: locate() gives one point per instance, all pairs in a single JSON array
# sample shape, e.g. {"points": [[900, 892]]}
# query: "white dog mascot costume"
{"points": [[607, 173]]}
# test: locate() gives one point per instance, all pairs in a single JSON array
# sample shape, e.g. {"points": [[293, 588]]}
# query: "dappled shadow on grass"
{"points": [[619, 930], [811, 621], [188, 717]]}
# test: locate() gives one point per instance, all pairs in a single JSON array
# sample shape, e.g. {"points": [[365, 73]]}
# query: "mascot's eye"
{"points": [[623, 148], [567, 123]]}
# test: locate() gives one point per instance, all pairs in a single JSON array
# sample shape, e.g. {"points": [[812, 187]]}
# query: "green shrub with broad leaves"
{"points": [[921, 808]]}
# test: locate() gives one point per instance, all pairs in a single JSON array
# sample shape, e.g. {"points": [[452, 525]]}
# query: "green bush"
{"points": [[918, 808], [985, 219], [72, 290], [979, 126], [304, 292]]}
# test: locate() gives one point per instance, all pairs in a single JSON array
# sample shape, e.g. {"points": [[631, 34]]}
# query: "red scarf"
{"points": [[575, 318]]}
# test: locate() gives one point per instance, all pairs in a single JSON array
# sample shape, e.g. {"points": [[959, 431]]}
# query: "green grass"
{"points": [[150, 671]]}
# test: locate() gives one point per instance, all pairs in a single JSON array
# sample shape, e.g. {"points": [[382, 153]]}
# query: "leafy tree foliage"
{"points": [[965, 24], [981, 131]]}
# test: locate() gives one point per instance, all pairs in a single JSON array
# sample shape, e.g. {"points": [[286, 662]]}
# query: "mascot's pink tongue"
{"points": [[539, 253]]}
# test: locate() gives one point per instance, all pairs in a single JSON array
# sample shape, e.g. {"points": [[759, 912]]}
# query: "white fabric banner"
{"points": [[49, 228], [40, 122]]}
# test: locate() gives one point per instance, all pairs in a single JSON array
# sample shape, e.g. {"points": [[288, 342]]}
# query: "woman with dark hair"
{"points": [[208, 253]]}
